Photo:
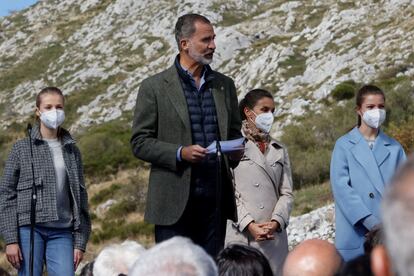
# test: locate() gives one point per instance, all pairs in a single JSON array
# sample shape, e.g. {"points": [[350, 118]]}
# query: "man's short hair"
{"points": [[174, 257], [398, 219], [117, 259], [239, 259], [185, 26]]}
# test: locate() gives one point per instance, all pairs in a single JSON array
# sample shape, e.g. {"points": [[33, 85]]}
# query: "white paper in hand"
{"points": [[227, 146]]}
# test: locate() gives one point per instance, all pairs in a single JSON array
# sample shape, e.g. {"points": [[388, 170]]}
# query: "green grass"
{"points": [[310, 198], [121, 230], [31, 68], [105, 194], [294, 65]]}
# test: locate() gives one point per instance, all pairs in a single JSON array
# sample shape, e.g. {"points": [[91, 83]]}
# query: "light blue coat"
{"points": [[358, 178]]}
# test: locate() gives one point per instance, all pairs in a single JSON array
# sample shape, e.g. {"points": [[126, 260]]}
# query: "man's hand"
{"points": [[193, 153], [14, 255]]}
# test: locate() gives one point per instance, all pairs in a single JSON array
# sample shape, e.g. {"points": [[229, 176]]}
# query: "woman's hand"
{"points": [[258, 231], [271, 226], [14, 255], [77, 257]]}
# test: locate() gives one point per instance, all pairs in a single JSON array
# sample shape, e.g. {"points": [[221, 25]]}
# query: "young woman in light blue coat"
{"points": [[363, 161]]}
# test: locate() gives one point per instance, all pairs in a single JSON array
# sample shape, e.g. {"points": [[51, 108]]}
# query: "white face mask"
{"points": [[52, 118], [374, 117], [264, 121]]}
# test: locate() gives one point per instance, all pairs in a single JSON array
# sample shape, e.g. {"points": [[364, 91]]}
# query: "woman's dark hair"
{"points": [[251, 98], [242, 260], [365, 91]]}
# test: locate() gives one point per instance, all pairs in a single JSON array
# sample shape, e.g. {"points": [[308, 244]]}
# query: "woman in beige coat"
{"points": [[263, 184]]}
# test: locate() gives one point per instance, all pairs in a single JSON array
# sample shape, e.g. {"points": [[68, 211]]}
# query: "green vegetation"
{"points": [[105, 194], [121, 230], [310, 198], [122, 208], [404, 134], [294, 65], [31, 68], [105, 148], [310, 141], [7, 139], [344, 91]]}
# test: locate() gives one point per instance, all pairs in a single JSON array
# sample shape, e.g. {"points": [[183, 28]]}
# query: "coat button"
{"points": [[261, 206], [256, 184], [371, 195]]}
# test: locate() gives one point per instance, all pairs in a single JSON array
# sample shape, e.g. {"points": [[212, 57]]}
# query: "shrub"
{"points": [[122, 208], [344, 91], [404, 133], [311, 139], [121, 230], [106, 149]]}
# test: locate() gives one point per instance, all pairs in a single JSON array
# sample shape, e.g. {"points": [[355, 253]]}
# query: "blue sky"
{"points": [[12, 5]]}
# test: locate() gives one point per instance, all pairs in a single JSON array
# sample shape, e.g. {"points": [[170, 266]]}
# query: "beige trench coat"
{"points": [[263, 185]]}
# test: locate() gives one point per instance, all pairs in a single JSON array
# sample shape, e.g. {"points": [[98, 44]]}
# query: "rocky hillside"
{"points": [[98, 51]]}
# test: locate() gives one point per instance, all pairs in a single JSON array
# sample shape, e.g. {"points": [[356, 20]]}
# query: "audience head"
{"points": [[372, 239], [242, 260], [360, 266], [117, 259], [174, 257], [397, 256], [87, 270], [312, 257]]}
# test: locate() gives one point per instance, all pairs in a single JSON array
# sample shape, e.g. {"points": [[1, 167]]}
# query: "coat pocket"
{"points": [[24, 195]]}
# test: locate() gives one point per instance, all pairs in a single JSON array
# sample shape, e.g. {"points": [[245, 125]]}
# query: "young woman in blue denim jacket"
{"points": [[62, 220]]}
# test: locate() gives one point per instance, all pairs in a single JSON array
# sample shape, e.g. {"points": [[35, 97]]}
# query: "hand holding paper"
{"points": [[227, 146]]}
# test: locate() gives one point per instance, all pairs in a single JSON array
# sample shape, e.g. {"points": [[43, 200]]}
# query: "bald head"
{"points": [[312, 258]]}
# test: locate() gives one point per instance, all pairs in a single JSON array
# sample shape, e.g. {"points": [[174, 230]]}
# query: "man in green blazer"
{"points": [[178, 113]]}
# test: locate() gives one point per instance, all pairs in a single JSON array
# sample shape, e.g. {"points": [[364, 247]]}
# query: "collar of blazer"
{"points": [[64, 134], [274, 155], [371, 160], [176, 95]]}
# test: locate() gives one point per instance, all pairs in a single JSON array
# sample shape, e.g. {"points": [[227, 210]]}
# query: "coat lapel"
{"points": [[254, 154], [274, 155], [221, 110], [176, 95], [365, 156], [380, 150]]}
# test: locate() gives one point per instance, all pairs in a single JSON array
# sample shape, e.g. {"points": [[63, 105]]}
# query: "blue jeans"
{"points": [[51, 245]]}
